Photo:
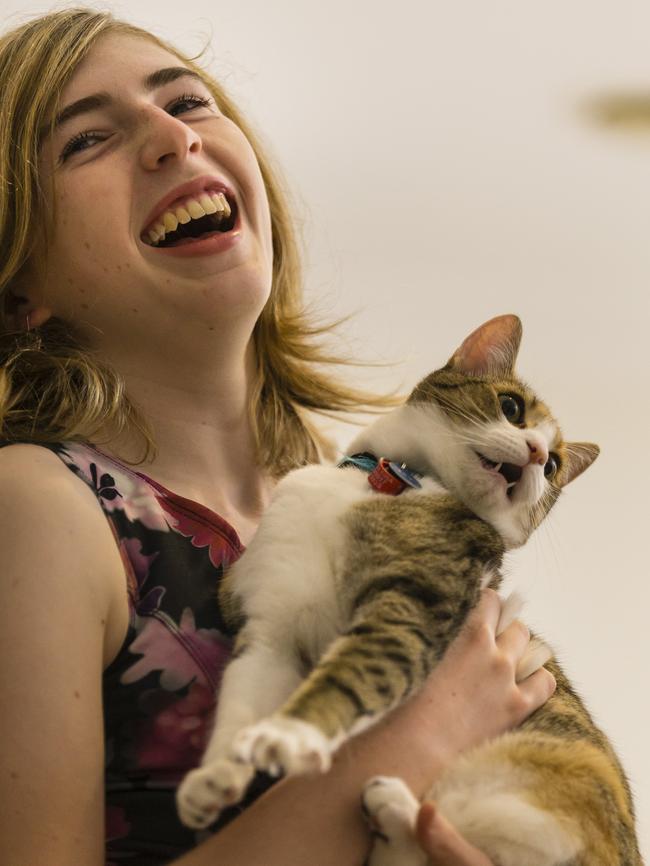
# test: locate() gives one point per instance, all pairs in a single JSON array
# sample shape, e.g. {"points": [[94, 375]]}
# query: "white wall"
{"points": [[444, 175]]}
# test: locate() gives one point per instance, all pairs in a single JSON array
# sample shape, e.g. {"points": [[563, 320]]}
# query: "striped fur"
{"points": [[347, 599]]}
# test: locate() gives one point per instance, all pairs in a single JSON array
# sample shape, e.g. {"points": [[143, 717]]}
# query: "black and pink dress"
{"points": [[159, 692]]}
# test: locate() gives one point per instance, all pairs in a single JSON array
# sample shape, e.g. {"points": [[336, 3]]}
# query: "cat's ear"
{"points": [[491, 349], [579, 456]]}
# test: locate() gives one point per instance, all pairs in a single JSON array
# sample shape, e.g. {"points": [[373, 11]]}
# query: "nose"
{"points": [[167, 136], [538, 452]]}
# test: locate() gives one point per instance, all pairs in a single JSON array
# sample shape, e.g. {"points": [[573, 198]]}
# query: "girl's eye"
{"points": [[190, 99], [512, 407], [551, 466], [76, 143]]}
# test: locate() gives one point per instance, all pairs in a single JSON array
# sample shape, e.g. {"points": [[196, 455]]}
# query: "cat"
{"points": [[348, 597]]}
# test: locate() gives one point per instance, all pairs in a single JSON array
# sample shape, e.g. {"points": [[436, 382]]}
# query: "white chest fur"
{"points": [[288, 580]]}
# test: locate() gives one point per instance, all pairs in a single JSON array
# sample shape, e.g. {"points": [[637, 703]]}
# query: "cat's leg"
{"points": [[541, 800], [392, 810], [254, 685], [384, 656]]}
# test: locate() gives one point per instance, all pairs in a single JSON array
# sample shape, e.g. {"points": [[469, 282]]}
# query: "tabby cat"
{"points": [[348, 598]]}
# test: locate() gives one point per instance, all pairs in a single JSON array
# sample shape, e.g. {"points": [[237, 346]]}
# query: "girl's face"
{"points": [[114, 162]]}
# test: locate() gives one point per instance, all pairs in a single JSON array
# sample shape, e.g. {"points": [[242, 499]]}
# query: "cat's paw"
{"points": [[389, 805], [391, 810], [281, 745], [536, 654], [511, 606], [204, 792]]}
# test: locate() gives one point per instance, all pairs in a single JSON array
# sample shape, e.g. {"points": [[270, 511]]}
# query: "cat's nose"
{"points": [[538, 451]]}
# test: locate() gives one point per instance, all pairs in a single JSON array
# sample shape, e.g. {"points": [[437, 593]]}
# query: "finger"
{"points": [[538, 688], [514, 640], [488, 610], [443, 843]]}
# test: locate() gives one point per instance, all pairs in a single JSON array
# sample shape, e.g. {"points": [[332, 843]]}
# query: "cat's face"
{"points": [[497, 446]]}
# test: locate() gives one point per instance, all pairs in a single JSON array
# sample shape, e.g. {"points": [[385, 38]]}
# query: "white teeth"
{"points": [[207, 203], [195, 209], [498, 466], [226, 207], [170, 221], [512, 484]]}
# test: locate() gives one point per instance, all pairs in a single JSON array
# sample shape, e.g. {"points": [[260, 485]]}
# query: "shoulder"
{"points": [[22, 463], [50, 517], [35, 481]]}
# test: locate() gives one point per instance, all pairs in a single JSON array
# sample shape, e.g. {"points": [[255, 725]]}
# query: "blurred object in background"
{"points": [[621, 111]]}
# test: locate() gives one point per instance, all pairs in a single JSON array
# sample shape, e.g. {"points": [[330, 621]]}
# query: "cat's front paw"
{"points": [[536, 654], [204, 792], [391, 810], [281, 745], [389, 804]]}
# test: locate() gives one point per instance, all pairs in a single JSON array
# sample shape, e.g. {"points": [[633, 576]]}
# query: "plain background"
{"points": [[444, 171]]}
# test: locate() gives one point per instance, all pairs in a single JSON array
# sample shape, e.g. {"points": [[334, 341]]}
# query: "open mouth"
{"points": [[212, 214], [510, 471]]}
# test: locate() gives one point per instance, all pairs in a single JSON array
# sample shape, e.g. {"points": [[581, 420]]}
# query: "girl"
{"points": [[127, 345]]}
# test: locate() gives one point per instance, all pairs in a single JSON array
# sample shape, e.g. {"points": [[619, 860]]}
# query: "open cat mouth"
{"points": [[510, 471]]}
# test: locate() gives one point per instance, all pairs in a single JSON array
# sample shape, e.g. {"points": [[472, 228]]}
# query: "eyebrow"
{"points": [[102, 99]]}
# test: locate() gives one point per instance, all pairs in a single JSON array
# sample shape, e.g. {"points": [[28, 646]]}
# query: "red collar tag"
{"points": [[384, 480]]}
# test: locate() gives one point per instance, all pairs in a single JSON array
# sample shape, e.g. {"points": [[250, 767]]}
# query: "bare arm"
{"points": [[54, 609]]}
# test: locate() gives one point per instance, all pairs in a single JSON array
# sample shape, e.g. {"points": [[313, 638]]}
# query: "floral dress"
{"points": [[159, 693]]}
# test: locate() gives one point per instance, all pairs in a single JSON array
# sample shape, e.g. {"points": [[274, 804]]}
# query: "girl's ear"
{"points": [[492, 348], [21, 314], [579, 456]]}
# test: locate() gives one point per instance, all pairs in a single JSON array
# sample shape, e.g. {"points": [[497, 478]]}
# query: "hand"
{"points": [[472, 694], [442, 842]]}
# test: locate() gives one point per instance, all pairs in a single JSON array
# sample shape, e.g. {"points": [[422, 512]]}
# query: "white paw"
{"points": [[511, 607], [390, 805], [204, 792], [537, 653], [391, 810], [282, 745]]}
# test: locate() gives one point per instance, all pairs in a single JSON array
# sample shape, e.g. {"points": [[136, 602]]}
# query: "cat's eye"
{"points": [[551, 466], [512, 407]]}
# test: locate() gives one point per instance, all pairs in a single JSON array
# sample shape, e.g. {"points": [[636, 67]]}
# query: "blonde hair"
{"points": [[54, 388]]}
